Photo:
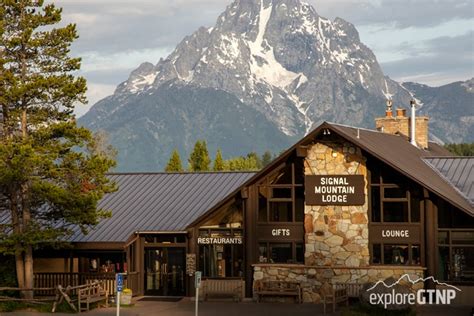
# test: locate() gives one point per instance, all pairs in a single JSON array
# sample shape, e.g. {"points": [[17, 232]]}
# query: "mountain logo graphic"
{"points": [[439, 296], [407, 276]]}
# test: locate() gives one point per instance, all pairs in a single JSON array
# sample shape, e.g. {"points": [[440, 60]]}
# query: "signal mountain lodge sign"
{"points": [[335, 190], [343, 205]]}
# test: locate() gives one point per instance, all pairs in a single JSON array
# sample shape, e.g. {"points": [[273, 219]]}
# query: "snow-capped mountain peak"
{"points": [[271, 54], [265, 74]]}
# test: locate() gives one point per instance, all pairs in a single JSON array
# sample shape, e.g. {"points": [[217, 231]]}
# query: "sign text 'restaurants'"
{"points": [[335, 190], [219, 240]]}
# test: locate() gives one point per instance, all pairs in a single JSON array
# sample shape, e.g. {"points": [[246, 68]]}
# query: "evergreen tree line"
{"points": [[462, 149], [199, 160]]}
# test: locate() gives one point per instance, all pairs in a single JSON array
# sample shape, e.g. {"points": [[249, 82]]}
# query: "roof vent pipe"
{"points": [[413, 123]]}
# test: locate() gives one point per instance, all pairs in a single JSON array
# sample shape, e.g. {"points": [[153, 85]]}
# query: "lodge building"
{"points": [[342, 205]]}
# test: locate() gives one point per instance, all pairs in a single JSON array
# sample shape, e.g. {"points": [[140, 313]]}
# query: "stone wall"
{"points": [[317, 280], [336, 235]]}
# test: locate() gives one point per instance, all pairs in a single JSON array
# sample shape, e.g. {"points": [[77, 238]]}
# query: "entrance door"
{"points": [[165, 268]]}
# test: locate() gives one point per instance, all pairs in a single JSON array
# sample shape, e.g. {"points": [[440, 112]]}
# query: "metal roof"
{"points": [[394, 150], [159, 202], [458, 172]]}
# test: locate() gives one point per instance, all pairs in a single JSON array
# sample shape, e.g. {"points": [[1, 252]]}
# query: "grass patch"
{"points": [[365, 310]]}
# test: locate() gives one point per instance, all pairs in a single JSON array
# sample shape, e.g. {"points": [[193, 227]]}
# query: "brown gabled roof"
{"points": [[394, 150], [407, 159]]}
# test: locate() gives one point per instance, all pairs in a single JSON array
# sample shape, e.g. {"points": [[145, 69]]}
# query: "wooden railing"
{"points": [[53, 279]]}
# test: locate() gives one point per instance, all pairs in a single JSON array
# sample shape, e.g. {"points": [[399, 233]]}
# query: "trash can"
{"points": [[126, 297]]}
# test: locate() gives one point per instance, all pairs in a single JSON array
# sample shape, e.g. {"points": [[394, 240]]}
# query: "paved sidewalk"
{"points": [[185, 307]]}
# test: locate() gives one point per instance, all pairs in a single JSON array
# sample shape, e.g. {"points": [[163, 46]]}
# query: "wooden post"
{"points": [[251, 213], [430, 241], [140, 264]]}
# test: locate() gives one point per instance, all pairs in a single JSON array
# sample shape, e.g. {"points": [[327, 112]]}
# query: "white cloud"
{"points": [[99, 61], [434, 79], [390, 44], [95, 92], [82, 19], [117, 36]]}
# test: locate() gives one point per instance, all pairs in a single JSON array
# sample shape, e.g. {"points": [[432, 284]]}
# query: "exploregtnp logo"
{"points": [[405, 292]]}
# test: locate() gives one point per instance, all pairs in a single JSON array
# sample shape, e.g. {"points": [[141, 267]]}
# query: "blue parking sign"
{"points": [[119, 282]]}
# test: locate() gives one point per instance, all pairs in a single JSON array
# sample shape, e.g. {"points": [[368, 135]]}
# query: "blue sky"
{"points": [[427, 41]]}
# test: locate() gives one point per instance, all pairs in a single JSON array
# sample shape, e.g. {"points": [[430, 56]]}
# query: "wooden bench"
{"points": [[337, 295], [234, 288], [278, 288], [91, 293]]}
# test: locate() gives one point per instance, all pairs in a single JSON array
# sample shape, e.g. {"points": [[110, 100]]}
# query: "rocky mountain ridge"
{"points": [[276, 61]]}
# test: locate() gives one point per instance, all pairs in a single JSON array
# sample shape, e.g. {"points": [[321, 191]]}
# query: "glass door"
{"points": [[164, 271]]}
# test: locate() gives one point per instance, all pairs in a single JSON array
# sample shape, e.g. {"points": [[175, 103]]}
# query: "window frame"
{"points": [[268, 244], [205, 266], [268, 189], [450, 245], [409, 188]]}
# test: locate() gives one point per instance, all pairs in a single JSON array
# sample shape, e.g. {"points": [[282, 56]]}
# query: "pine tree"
{"points": [[218, 162], [52, 172], [199, 159], [462, 149], [174, 164], [254, 161], [242, 163], [266, 158]]}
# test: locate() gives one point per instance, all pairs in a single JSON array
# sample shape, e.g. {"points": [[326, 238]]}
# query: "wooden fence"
{"points": [[53, 279]]}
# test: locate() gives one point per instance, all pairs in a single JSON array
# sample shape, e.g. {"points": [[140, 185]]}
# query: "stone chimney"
{"points": [[400, 124]]}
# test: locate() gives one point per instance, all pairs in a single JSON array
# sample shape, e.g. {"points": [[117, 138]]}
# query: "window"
{"points": [[280, 228], [455, 244], [281, 252], [281, 211], [392, 198], [394, 204], [230, 217], [103, 261], [395, 212], [281, 197], [456, 255], [221, 260], [396, 254], [221, 242]]}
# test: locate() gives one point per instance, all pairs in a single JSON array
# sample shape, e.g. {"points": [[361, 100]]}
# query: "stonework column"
{"points": [[336, 236]]}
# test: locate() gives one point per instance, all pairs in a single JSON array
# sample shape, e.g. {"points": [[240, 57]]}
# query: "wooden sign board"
{"points": [[335, 190], [400, 234], [190, 263], [280, 232]]}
